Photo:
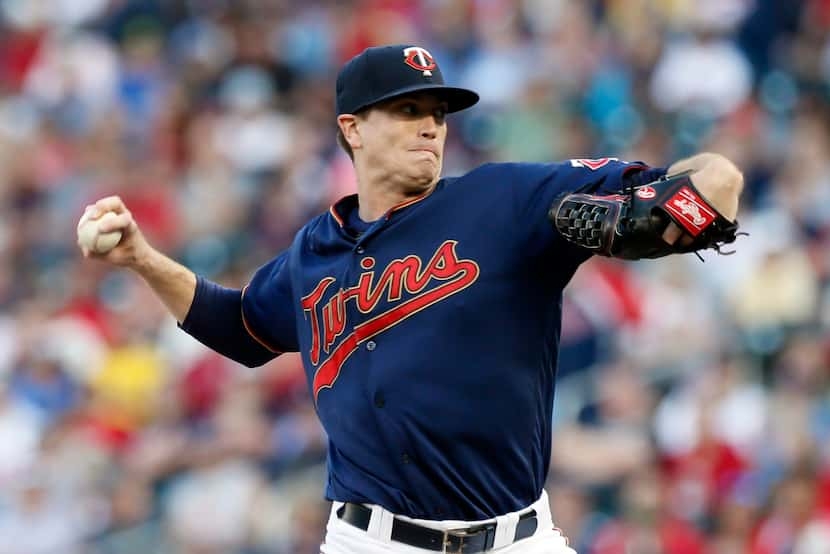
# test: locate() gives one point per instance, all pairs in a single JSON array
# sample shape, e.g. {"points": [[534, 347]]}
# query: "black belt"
{"points": [[471, 540]]}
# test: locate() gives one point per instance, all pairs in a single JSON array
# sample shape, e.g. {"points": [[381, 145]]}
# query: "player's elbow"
{"points": [[256, 359]]}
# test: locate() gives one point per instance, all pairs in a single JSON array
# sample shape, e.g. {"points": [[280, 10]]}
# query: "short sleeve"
{"points": [[536, 186], [602, 175], [268, 310]]}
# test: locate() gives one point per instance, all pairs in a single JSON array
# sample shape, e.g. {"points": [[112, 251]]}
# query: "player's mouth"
{"points": [[433, 151]]}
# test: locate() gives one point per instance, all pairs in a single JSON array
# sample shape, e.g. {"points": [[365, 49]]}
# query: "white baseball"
{"points": [[90, 237]]}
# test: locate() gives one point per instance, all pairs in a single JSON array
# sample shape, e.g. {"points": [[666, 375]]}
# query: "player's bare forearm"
{"points": [[173, 283], [717, 178]]}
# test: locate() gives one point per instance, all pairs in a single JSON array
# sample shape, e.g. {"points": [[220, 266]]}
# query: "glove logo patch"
{"points": [[690, 211], [646, 192], [592, 163]]}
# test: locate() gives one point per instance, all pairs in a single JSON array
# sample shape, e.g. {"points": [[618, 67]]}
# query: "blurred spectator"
{"points": [[678, 84], [20, 430], [40, 520], [645, 525], [790, 521]]}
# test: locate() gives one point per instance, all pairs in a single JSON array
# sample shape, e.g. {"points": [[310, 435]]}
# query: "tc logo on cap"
{"points": [[418, 58]]}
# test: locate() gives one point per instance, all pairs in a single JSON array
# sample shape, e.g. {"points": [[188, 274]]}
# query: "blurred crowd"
{"points": [[693, 407]]}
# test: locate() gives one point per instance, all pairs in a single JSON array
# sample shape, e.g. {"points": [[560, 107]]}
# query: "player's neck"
{"points": [[375, 199]]}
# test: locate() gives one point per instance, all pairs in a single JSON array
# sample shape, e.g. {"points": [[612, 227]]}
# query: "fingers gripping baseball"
{"points": [[107, 231], [91, 235]]}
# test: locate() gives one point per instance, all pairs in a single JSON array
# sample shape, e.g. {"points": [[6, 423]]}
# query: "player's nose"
{"points": [[429, 128]]}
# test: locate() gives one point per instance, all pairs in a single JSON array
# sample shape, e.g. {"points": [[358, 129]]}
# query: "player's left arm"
{"points": [[692, 208]]}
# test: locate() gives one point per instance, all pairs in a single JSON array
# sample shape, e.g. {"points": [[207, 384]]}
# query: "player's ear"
{"points": [[349, 129]]}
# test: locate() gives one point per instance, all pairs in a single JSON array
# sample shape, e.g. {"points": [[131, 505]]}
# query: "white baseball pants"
{"points": [[344, 538]]}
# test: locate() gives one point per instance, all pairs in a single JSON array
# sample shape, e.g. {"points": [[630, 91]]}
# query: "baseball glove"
{"points": [[631, 225]]}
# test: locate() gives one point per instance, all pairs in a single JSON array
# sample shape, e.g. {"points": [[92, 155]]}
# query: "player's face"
{"points": [[403, 140]]}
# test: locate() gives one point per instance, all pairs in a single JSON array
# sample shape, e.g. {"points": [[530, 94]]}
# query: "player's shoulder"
{"points": [[310, 240], [501, 176], [319, 228], [315, 223], [498, 173], [498, 176], [493, 170], [537, 169], [322, 234]]}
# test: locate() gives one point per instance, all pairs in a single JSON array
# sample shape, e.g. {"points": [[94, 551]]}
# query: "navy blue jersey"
{"points": [[429, 337]]}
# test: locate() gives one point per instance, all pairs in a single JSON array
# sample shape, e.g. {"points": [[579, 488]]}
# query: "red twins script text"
{"points": [[407, 274]]}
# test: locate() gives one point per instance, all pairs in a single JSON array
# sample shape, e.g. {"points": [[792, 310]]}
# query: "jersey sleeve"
{"points": [[536, 186], [268, 310], [601, 176]]}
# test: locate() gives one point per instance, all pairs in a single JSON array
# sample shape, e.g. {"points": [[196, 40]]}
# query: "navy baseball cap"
{"points": [[384, 72]]}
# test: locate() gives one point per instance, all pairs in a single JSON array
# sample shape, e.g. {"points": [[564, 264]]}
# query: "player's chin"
{"points": [[423, 180], [427, 169]]}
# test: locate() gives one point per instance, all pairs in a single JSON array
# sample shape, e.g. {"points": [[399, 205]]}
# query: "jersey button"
{"points": [[360, 250], [405, 458], [371, 345]]}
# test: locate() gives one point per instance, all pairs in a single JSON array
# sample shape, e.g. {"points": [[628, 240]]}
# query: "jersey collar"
{"points": [[340, 209]]}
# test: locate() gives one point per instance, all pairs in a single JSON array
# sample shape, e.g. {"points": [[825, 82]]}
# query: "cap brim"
{"points": [[457, 98]]}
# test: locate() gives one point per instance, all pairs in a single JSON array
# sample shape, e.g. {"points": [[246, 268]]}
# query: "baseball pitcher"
{"points": [[427, 310]]}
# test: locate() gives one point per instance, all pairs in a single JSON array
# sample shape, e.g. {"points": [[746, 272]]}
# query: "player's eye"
{"points": [[409, 108], [440, 113]]}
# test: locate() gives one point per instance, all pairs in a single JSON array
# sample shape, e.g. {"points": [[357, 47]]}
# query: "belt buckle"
{"points": [[462, 536], [458, 533]]}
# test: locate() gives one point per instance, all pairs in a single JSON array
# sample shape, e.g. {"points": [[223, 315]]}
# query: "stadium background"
{"points": [[693, 414]]}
